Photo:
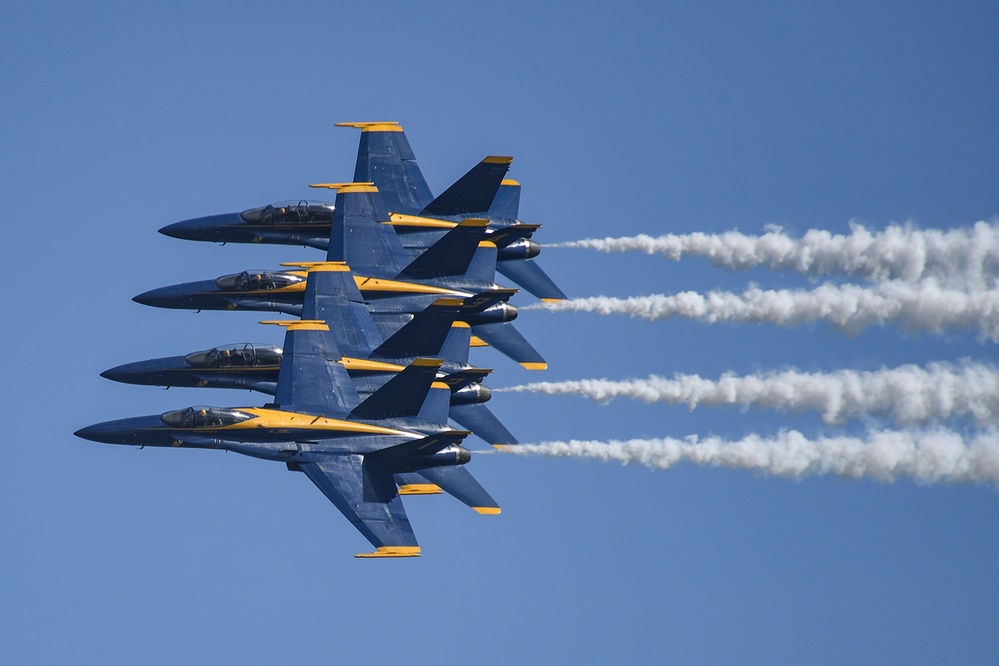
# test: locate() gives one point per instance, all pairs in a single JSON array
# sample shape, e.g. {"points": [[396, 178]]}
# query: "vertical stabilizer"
{"points": [[472, 193], [506, 203]]}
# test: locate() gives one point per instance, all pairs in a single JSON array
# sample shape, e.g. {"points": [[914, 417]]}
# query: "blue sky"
{"points": [[622, 119]]}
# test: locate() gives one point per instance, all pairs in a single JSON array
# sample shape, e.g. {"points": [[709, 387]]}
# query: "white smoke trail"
{"points": [[968, 256], [928, 457], [922, 306], [909, 394]]}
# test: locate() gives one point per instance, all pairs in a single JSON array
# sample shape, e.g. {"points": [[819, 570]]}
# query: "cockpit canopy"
{"points": [[204, 417], [236, 356], [257, 279], [291, 212]]}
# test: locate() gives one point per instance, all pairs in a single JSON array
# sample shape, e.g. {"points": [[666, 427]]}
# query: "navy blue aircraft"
{"points": [[371, 359], [353, 450], [460, 265], [385, 159]]}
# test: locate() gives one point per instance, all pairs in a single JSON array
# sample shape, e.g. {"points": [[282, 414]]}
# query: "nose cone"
{"points": [[95, 433], [157, 298], [137, 431], [189, 295], [150, 372], [211, 228]]}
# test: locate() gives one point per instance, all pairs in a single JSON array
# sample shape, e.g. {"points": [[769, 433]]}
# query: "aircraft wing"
{"points": [[365, 492]]}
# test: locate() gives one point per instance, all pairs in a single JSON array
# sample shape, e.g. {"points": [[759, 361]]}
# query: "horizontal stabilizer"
{"points": [[508, 340], [529, 275], [401, 396], [457, 481], [472, 193], [482, 422], [411, 483]]}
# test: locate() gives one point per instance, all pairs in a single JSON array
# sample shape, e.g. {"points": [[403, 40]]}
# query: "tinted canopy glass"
{"points": [[236, 356], [204, 417], [256, 280], [291, 212]]}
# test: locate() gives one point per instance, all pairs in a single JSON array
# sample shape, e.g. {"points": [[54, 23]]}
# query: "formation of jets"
{"points": [[378, 361]]}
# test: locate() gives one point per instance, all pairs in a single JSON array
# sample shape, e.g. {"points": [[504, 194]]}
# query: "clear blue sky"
{"points": [[623, 118]]}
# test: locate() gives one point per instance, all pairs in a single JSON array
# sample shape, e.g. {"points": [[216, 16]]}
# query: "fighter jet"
{"points": [[307, 222], [459, 265], [351, 449], [385, 158], [332, 296]]}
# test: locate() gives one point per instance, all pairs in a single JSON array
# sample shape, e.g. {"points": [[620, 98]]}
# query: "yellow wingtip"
{"points": [[393, 551], [487, 510], [299, 324], [534, 366], [346, 188], [376, 126]]}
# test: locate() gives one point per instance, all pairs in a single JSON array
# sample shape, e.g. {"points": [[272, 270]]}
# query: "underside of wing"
{"points": [[365, 492]]}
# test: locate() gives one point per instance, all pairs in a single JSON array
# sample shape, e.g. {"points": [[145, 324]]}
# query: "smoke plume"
{"points": [[908, 395], [922, 306], [966, 256], [936, 456]]}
